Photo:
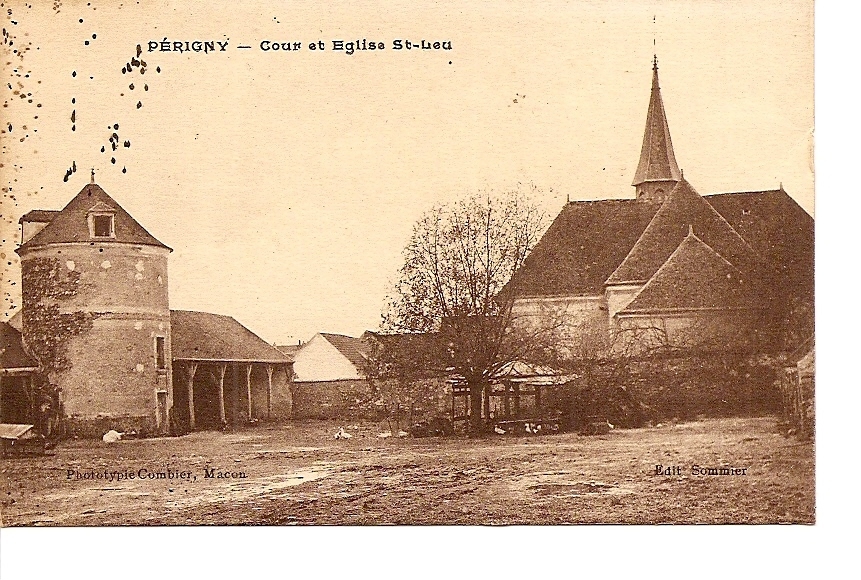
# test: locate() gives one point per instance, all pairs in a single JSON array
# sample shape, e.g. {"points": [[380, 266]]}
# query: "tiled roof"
{"points": [[355, 349], [695, 277], [657, 159], [778, 229], [12, 352], [582, 247], [39, 215], [202, 336], [683, 208], [70, 223], [588, 240]]}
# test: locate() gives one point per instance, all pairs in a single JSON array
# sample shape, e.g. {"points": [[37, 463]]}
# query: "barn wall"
{"points": [[329, 399], [282, 395]]}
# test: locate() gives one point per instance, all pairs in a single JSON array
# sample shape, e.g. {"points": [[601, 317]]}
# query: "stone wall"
{"points": [[330, 399], [102, 306]]}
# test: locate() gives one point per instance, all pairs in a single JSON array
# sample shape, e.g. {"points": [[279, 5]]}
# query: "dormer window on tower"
{"points": [[100, 219]]}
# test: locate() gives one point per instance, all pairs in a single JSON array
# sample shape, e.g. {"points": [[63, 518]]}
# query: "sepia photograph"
{"points": [[448, 264]]}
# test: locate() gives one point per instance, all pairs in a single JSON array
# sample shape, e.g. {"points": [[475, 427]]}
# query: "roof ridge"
{"points": [[677, 201], [684, 245]]}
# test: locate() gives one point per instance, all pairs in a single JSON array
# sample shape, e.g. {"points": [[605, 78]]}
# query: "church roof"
{"points": [[684, 207], [70, 224], [582, 247], [778, 229], [588, 240], [203, 336], [695, 277], [657, 159]]}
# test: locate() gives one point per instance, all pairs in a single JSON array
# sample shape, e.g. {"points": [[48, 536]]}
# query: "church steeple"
{"points": [[657, 173]]}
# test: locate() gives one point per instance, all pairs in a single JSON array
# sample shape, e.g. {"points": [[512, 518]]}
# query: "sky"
{"points": [[287, 182]]}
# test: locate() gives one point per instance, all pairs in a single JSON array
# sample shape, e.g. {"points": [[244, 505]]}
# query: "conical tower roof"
{"points": [[657, 160], [71, 225], [683, 209], [695, 277]]}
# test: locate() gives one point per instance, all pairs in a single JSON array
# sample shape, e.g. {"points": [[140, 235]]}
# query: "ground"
{"points": [[299, 474]]}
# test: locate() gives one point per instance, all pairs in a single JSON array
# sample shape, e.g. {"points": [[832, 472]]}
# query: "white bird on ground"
{"points": [[498, 430], [341, 434], [112, 436], [610, 425], [385, 435]]}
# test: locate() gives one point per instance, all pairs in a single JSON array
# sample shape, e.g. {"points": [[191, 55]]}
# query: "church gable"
{"points": [[683, 208], [695, 277]]}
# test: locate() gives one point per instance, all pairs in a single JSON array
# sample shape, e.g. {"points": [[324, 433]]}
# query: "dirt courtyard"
{"points": [[299, 474]]}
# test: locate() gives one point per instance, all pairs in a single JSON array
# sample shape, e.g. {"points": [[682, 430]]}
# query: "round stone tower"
{"points": [[96, 314]]}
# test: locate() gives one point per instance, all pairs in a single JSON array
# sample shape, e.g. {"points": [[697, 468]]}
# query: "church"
{"points": [[670, 267]]}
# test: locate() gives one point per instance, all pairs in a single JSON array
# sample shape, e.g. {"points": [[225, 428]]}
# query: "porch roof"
{"points": [[207, 337]]}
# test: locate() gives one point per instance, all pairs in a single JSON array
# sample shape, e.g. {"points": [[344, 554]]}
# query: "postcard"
{"points": [[267, 263]]}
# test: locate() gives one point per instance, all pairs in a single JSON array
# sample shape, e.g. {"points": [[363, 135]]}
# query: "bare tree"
{"points": [[457, 283], [404, 377]]}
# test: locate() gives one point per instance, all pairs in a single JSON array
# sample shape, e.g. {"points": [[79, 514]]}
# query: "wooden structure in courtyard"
{"points": [[224, 374], [517, 394]]}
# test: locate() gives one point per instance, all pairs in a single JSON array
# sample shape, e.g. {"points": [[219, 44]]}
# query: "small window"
{"points": [[160, 362], [103, 226]]}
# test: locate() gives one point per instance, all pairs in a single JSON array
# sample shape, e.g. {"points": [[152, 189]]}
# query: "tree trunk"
{"points": [[476, 425]]}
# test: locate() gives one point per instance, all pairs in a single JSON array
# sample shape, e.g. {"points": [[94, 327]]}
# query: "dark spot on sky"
{"points": [[116, 127], [132, 87], [94, 37], [73, 100], [74, 73], [124, 169], [113, 160], [81, 20], [86, 43], [140, 105]]}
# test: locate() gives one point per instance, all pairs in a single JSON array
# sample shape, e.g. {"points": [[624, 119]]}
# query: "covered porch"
{"points": [[224, 375], [210, 394]]}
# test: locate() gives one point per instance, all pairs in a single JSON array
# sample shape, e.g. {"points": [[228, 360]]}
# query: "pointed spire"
{"points": [[92, 175], [657, 166]]}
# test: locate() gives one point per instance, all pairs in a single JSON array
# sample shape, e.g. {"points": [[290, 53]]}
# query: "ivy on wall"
{"points": [[47, 330]]}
